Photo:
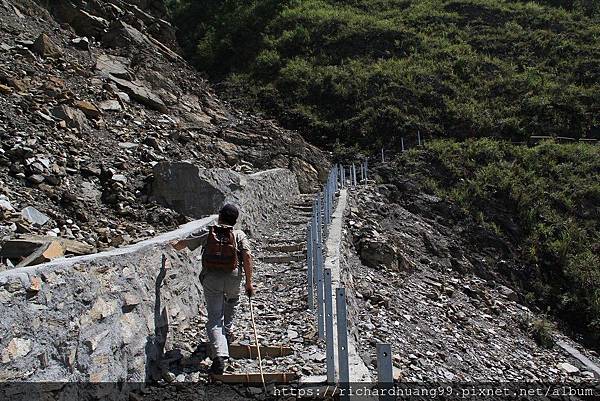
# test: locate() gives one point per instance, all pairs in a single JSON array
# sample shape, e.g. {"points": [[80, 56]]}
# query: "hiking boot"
{"points": [[218, 366]]}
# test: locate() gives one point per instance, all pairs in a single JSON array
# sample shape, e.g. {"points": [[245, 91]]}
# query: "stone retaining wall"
{"points": [[107, 317], [197, 192], [100, 318]]}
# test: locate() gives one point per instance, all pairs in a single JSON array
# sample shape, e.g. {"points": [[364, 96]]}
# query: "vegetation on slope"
{"points": [[544, 199], [368, 71]]}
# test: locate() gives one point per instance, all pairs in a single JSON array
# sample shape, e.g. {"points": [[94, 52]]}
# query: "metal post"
{"points": [[419, 137], [318, 215], [319, 267], [342, 340], [385, 377], [309, 267], [320, 295], [329, 351], [325, 205], [402, 143], [382, 156]]}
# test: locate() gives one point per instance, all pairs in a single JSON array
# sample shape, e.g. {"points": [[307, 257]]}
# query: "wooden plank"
{"points": [[255, 378], [239, 351]]}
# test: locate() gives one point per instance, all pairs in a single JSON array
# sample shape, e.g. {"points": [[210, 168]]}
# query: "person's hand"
{"points": [[249, 289]]}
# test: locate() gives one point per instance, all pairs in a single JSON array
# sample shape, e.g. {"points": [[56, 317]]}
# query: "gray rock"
{"points": [[84, 23], [110, 105], [121, 34], [138, 92], [16, 348], [5, 204], [34, 216], [73, 117], [377, 252], [568, 368], [108, 66]]}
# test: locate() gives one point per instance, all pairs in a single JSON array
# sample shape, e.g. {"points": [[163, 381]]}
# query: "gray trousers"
{"points": [[222, 294]]}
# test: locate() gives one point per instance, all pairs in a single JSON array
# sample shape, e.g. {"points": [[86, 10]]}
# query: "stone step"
{"points": [[303, 208], [285, 247], [297, 222], [283, 258]]}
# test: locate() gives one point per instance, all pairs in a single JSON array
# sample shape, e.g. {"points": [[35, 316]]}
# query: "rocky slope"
{"points": [[430, 281], [93, 94]]}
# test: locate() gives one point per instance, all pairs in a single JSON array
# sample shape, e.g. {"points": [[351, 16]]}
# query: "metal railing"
{"points": [[320, 293]]}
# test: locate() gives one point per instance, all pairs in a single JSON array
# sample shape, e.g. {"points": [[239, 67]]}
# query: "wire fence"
{"points": [[320, 294]]}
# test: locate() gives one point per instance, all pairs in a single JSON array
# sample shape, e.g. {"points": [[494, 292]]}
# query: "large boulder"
{"points": [[198, 192], [84, 23]]}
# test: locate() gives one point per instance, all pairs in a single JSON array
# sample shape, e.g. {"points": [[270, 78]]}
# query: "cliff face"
{"points": [[93, 95]]}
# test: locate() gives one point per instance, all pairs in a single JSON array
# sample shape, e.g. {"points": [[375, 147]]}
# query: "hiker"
{"points": [[226, 255]]}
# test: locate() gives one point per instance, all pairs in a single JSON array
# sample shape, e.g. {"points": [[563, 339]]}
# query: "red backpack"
{"points": [[221, 250]]}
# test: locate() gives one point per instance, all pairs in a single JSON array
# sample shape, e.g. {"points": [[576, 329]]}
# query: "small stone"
{"points": [[169, 377], [16, 348], [88, 108], [5, 90], [36, 179], [110, 105], [36, 284], [119, 178], [508, 293], [5, 204], [81, 43], [43, 46], [567, 367]]}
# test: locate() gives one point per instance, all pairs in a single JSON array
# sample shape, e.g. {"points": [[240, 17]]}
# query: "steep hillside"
{"points": [[92, 97], [368, 72], [541, 202]]}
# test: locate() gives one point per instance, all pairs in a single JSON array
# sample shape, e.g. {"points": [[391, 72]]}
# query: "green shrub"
{"points": [[368, 72]]}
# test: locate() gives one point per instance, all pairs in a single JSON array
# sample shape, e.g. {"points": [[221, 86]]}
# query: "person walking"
{"points": [[226, 258]]}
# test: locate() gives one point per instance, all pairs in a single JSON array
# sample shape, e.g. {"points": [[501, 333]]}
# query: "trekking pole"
{"points": [[262, 376]]}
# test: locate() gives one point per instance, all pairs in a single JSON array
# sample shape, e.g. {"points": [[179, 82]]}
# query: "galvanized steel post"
{"points": [[329, 351], [385, 377], [342, 336], [309, 267]]}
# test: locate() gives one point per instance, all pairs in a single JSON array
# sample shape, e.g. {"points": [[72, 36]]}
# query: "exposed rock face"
{"points": [[81, 131], [99, 318], [199, 192], [444, 311]]}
